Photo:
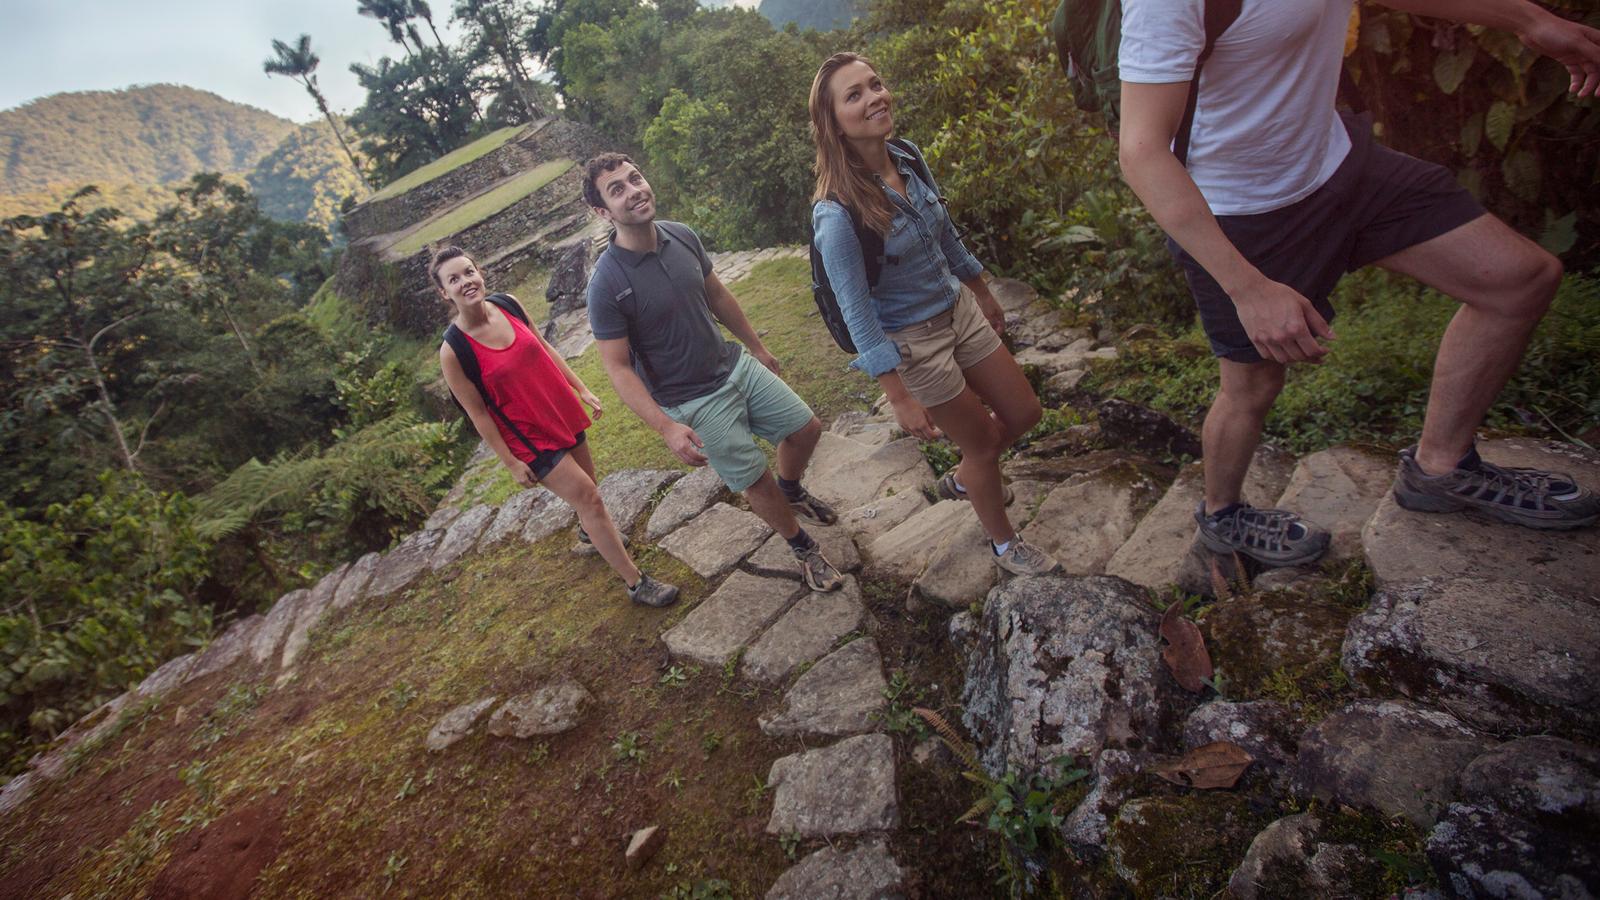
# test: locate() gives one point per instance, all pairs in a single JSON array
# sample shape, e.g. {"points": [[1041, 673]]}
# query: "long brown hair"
{"points": [[840, 170]]}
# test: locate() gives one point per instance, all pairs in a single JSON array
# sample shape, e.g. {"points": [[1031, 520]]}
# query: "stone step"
{"points": [[734, 615], [841, 695], [717, 539], [847, 474], [846, 788], [806, 632], [867, 872]]}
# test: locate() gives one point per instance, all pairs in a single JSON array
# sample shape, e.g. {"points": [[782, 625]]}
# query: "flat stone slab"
{"points": [[961, 571], [1339, 489], [903, 552], [462, 535], [1390, 755], [867, 872], [1083, 522], [1154, 555], [1403, 546], [167, 676], [847, 473], [353, 586], [847, 788], [549, 515], [807, 631], [275, 626], [227, 649], [552, 709], [869, 521], [627, 493], [730, 618], [838, 696], [717, 539], [401, 566], [457, 724], [311, 612], [690, 495], [777, 560], [512, 516], [1503, 656]]}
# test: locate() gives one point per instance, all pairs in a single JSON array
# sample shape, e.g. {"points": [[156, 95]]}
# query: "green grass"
{"points": [[451, 161], [481, 207]]}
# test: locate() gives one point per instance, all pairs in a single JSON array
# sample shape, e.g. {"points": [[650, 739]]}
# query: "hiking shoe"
{"points": [[1023, 558], [819, 574], [583, 536], [1526, 497], [947, 490], [810, 508], [650, 592], [586, 545], [1272, 537]]}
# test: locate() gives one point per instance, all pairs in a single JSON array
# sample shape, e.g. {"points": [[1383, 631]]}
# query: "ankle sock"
{"points": [[791, 489], [801, 541], [1000, 549], [960, 488]]}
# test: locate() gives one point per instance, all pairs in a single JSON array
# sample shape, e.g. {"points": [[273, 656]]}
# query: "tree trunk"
{"points": [[107, 407], [323, 105], [249, 355]]}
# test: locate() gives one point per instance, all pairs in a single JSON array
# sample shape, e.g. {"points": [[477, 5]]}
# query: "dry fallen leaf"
{"points": [[1216, 765], [1185, 653]]}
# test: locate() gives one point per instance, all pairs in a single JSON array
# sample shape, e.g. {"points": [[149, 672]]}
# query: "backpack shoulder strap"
{"points": [[466, 356], [510, 306], [1219, 15]]}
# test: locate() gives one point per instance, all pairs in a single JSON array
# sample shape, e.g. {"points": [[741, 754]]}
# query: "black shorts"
{"points": [[549, 459], [1378, 202]]}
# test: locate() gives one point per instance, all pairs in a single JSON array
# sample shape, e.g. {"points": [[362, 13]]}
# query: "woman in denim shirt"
{"points": [[935, 349]]}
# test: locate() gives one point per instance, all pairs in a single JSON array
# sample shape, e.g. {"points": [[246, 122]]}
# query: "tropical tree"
{"points": [[300, 63], [497, 28], [423, 11]]}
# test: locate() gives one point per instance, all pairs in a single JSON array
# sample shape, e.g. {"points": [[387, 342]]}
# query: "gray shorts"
{"points": [[1377, 203]]}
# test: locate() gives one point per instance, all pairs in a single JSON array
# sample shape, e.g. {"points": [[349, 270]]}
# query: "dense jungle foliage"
{"points": [[195, 422]]}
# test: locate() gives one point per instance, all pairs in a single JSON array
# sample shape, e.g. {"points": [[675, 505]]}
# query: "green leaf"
{"points": [[1521, 172], [1561, 234], [1472, 135], [1497, 123], [1450, 69]]}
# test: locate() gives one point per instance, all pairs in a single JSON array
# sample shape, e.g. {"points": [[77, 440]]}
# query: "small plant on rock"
{"points": [[626, 748]]}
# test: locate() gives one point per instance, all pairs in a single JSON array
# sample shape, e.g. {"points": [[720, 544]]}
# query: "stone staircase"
{"points": [[1477, 661]]}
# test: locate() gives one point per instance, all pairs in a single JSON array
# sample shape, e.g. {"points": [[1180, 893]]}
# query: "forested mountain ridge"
{"points": [[153, 134]]}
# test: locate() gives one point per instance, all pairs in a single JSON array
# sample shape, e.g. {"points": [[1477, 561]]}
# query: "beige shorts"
{"points": [[934, 351]]}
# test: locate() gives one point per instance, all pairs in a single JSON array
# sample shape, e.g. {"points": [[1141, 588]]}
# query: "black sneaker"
{"points": [[1528, 497], [1272, 537], [650, 592], [811, 509]]}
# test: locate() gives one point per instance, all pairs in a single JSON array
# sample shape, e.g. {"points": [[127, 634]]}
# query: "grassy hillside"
{"points": [[306, 177], [156, 134]]}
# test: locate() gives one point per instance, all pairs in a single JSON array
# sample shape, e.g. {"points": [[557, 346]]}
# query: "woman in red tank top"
{"points": [[531, 417]]}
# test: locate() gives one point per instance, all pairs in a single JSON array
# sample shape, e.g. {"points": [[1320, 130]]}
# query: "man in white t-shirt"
{"points": [[1281, 196]]}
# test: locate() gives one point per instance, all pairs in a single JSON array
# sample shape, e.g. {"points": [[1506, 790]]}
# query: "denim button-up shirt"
{"points": [[925, 282]]}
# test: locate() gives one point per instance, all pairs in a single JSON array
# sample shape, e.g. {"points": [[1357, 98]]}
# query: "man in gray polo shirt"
{"points": [[654, 305]]}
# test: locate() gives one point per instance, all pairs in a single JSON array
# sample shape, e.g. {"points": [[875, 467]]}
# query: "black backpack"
{"points": [[871, 255], [468, 358], [1088, 36]]}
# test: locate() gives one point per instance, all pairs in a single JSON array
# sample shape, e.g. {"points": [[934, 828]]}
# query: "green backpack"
{"points": [[1088, 35]]}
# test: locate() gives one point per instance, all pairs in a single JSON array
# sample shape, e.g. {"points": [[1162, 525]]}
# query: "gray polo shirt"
{"points": [[657, 300]]}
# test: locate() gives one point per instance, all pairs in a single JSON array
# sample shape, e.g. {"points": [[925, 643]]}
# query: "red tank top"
{"points": [[525, 382]]}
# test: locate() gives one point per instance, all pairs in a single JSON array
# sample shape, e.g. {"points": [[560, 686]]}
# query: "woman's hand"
{"points": [[913, 419], [591, 401], [991, 310], [522, 473]]}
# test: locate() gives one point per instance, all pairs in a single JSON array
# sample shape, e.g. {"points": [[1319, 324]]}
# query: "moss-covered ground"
{"points": [[451, 161], [479, 208]]}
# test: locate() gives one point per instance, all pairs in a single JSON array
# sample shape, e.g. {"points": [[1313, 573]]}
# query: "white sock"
{"points": [[1000, 549], [960, 488]]}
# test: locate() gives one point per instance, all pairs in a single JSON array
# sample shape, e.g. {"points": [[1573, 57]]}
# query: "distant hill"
{"points": [[138, 144], [822, 15], [157, 134]]}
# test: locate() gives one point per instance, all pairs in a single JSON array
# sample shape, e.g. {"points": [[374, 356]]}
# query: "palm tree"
{"points": [[421, 10], [299, 63], [393, 15]]}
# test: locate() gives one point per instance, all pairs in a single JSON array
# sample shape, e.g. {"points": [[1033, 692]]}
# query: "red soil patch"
{"points": [[221, 861]]}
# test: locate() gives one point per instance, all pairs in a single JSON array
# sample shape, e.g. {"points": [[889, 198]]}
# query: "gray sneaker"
{"points": [[650, 592], [819, 574], [1528, 497], [1272, 537], [1023, 558]]}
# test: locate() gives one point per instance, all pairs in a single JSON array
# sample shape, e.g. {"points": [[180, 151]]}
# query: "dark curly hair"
{"points": [[593, 169]]}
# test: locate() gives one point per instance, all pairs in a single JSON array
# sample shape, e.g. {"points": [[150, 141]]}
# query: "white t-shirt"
{"points": [[1266, 133]]}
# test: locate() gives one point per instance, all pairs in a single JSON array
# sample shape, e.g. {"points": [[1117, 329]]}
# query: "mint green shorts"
{"points": [[752, 403]]}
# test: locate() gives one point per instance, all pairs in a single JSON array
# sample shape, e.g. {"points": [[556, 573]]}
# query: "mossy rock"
{"points": [[1182, 845], [1257, 641]]}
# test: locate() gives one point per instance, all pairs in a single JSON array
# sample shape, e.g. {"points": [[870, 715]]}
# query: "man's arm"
{"points": [[1282, 324], [725, 307], [680, 439], [1572, 44]]}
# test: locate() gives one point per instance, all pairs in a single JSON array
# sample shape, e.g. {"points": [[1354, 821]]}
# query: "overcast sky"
{"points": [[215, 45]]}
